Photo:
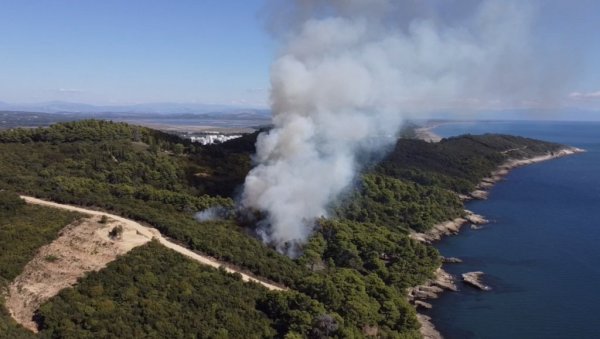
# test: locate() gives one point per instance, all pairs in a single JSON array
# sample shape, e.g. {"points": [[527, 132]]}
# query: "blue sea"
{"points": [[540, 254]]}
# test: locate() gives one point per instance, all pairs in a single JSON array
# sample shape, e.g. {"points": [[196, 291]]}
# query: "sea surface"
{"points": [[540, 254]]}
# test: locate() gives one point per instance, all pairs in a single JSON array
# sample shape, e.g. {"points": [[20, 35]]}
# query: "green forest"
{"points": [[156, 293], [350, 280]]}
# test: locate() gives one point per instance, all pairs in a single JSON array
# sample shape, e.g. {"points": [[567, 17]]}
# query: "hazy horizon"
{"points": [[175, 108]]}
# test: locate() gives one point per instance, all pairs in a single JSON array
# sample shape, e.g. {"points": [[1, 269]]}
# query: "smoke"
{"points": [[350, 72], [212, 214]]}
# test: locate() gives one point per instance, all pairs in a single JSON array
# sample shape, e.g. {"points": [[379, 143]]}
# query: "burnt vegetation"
{"points": [[349, 282]]}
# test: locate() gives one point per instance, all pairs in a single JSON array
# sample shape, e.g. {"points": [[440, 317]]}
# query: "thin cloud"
{"points": [[259, 90], [70, 90], [585, 96]]}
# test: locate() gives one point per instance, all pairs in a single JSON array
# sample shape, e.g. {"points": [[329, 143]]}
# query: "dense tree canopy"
{"points": [[156, 293], [399, 204]]}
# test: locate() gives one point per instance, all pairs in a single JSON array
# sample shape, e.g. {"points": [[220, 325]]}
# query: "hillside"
{"points": [[350, 281]]}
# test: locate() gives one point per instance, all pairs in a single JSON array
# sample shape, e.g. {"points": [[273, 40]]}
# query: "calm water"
{"points": [[541, 253]]}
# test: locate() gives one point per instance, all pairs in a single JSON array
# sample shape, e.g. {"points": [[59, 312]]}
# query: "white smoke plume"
{"points": [[349, 73], [212, 214]]}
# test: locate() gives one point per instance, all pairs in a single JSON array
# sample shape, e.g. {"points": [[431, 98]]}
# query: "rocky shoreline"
{"points": [[451, 227], [474, 279], [443, 281], [431, 289], [482, 189]]}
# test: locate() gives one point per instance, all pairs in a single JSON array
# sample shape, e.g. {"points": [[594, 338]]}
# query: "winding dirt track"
{"points": [[153, 233]]}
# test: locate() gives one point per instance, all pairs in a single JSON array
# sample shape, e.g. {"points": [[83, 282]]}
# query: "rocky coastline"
{"points": [[482, 189], [431, 289], [443, 281], [451, 227], [474, 279]]}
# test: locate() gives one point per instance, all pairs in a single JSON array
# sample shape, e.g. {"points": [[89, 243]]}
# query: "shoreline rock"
{"points": [[447, 228], [451, 260], [474, 279], [427, 329], [476, 219], [431, 289], [422, 304], [480, 194], [439, 230]]}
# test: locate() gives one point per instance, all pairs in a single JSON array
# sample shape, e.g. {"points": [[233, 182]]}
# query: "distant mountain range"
{"points": [[150, 108], [44, 114], [168, 110]]}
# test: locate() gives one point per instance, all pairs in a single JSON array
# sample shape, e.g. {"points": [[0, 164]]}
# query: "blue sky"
{"points": [[115, 51], [205, 51]]}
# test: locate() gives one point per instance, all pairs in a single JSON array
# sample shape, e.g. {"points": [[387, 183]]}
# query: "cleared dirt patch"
{"points": [[81, 247]]}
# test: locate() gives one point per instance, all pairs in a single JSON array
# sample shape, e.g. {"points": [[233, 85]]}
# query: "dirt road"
{"points": [[152, 233]]}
